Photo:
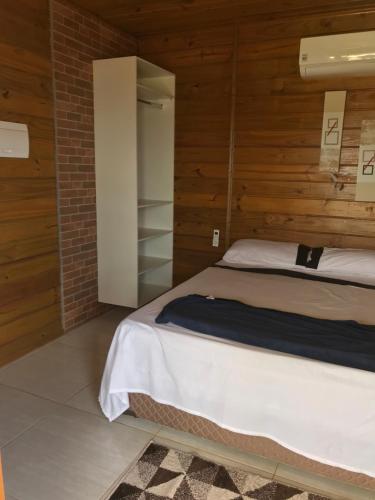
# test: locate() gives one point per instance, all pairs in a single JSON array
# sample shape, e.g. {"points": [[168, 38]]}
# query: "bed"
{"points": [[306, 412]]}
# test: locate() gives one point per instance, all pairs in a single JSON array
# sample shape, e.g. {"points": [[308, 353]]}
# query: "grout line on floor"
{"points": [[275, 472], [75, 394], [306, 487], [7, 443], [197, 449], [117, 481], [37, 395], [20, 434], [85, 412]]}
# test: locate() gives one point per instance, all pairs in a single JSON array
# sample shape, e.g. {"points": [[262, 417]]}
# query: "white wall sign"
{"points": [[333, 120], [365, 190], [14, 140]]}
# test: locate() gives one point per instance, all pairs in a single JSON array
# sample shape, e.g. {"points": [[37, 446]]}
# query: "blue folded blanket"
{"points": [[346, 343]]}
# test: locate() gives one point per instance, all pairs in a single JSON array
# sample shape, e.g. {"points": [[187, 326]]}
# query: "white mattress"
{"points": [[322, 411]]}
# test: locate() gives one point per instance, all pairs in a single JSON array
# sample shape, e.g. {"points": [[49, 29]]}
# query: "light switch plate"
{"points": [[216, 238]]}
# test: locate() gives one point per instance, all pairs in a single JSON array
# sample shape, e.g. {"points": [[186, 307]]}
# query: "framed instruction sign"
{"points": [[333, 120], [365, 190]]}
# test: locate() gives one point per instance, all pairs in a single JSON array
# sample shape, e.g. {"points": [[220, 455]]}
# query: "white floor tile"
{"points": [[320, 484], [71, 455], [96, 334], [216, 452], [19, 411], [56, 371], [87, 400]]}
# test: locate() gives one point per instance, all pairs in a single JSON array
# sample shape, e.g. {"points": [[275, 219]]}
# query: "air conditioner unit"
{"points": [[350, 54]]}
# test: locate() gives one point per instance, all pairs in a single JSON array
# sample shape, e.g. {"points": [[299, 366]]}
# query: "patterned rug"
{"points": [[165, 474]]}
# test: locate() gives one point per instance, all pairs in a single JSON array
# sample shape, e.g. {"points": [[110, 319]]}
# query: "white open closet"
{"points": [[134, 150]]}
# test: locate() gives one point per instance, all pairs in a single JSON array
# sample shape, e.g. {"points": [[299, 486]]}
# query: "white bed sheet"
{"points": [[323, 411]]}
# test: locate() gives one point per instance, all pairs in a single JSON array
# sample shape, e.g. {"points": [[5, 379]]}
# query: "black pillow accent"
{"points": [[308, 256]]}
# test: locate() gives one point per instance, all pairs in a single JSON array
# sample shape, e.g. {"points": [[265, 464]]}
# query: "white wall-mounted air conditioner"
{"points": [[351, 54]]}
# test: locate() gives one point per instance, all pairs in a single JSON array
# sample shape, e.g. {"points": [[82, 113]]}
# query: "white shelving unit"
{"points": [[134, 149]]}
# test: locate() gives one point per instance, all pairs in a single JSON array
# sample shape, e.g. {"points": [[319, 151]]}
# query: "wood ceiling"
{"points": [[143, 17]]}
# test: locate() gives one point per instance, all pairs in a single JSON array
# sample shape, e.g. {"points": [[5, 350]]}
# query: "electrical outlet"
{"points": [[216, 238]]}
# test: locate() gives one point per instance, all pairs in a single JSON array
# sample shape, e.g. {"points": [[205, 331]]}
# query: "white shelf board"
{"points": [[150, 94], [148, 292], [146, 233], [152, 203], [146, 264]]}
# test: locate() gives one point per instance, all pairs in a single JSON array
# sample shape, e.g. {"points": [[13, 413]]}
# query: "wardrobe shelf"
{"points": [[146, 233], [152, 203], [146, 263], [148, 292], [151, 94]]}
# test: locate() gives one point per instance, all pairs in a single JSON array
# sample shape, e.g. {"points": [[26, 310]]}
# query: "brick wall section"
{"points": [[77, 39]]}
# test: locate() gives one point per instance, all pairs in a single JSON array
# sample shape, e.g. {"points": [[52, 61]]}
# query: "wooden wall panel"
{"points": [[202, 62], [278, 191], [29, 261], [141, 17]]}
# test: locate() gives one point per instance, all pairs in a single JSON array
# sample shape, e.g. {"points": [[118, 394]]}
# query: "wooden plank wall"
{"points": [[278, 191], [29, 259]]}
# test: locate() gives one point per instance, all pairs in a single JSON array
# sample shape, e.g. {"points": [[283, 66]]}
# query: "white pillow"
{"points": [[262, 253], [348, 262]]}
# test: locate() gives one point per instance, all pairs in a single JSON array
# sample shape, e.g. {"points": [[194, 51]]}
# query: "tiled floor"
{"points": [[56, 444]]}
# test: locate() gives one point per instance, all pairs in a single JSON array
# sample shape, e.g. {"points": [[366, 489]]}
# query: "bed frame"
{"points": [[145, 407]]}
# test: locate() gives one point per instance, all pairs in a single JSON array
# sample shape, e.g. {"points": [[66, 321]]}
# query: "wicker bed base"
{"points": [[145, 407]]}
